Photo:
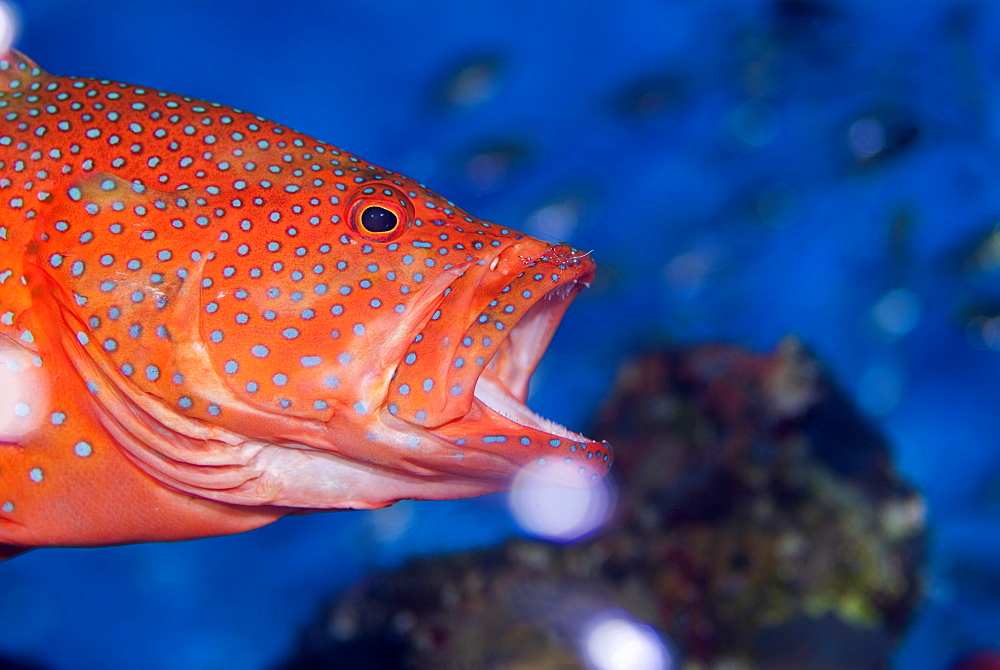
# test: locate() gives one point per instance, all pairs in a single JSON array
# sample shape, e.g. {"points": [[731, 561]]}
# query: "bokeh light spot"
{"points": [[866, 137], [558, 512], [686, 273], [473, 83], [10, 26], [616, 643], [897, 313], [988, 331]]}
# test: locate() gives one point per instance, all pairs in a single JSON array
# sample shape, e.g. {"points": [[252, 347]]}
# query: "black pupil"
{"points": [[378, 220]]}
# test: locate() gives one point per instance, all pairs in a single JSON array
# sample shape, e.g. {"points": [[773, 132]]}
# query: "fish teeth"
{"points": [[561, 292]]}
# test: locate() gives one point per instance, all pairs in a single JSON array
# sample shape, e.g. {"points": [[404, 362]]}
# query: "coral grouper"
{"points": [[208, 320]]}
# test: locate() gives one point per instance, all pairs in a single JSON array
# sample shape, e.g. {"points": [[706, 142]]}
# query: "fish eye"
{"points": [[379, 213], [378, 220]]}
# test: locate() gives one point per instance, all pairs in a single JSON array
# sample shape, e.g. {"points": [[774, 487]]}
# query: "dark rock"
{"points": [[760, 524]]}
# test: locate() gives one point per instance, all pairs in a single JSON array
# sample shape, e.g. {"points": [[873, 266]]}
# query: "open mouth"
{"points": [[477, 402], [503, 385], [466, 382]]}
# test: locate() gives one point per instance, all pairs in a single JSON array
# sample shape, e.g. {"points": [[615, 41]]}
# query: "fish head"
{"points": [[410, 329]]}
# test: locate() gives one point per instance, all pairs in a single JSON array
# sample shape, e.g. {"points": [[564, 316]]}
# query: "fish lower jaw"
{"points": [[491, 392]]}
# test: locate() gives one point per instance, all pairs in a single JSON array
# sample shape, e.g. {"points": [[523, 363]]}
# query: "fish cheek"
{"points": [[270, 328]]}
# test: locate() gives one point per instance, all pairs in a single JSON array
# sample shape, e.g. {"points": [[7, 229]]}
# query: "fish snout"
{"points": [[531, 252]]}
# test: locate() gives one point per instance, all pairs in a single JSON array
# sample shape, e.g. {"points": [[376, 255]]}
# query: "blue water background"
{"points": [[708, 151]]}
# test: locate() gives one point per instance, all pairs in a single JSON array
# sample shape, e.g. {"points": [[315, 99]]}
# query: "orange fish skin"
{"points": [[209, 320]]}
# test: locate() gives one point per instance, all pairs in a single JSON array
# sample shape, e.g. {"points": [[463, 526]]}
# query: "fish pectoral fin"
{"points": [[112, 244], [115, 260]]}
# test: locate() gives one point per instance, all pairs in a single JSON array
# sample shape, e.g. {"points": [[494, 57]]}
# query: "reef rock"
{"points": [[759, 524]]}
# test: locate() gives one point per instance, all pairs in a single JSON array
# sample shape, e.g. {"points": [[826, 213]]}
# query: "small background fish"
{"points": [[745, 170]]}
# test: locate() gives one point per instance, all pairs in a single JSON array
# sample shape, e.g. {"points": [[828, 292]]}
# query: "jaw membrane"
{"points": [[492, 393]]}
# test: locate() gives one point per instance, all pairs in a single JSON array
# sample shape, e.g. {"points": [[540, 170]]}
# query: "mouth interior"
{"points": [[503, 385]]}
